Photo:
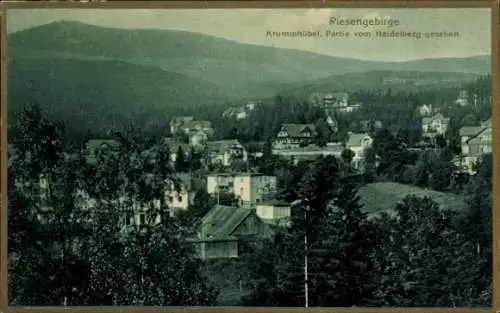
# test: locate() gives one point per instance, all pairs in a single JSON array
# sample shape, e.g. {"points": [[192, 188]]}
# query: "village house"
{"points": [[358, 143], [225, 230], [198, 139], [225, 152], [219, 182], [192, 127], [339, 102], [463, 98], [241, 112], [248, 188], [310, 152], [274, 212], [252, 188], [426, 110], [180, 195], [177, 122], [294, 136], [475, 142], [487, 123], [250, 106], [435, 125], [131, 212], [336, 100], [332, 122], [173, 149]]}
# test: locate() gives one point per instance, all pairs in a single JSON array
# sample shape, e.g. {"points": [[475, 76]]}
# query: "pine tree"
{"points": [[423, 260], [341, 264]]}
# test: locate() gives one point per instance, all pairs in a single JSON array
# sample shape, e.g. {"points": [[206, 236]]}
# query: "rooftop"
{"points": [[274, 203], [295, 130], [194, 124], [437, 116], [222, 145], [221, 221], [312, 149], [470, 130]]}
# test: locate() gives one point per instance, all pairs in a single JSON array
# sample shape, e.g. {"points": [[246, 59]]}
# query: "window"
{"points": [[179, 198], [128, 219], [170, 198], [142, 219]]}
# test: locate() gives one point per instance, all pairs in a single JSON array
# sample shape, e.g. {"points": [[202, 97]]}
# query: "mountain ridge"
{"points": [[69, 23], [83, 72], [57, 37]]}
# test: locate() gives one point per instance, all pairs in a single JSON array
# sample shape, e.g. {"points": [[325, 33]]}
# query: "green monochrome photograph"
{"points": [[249, 157]]}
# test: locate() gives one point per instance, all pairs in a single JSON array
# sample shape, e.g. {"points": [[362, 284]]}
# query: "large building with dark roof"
{"points": [[224, 230]]}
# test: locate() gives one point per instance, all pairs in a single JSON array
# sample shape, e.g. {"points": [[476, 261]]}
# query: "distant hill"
{"points": [[95, 93], [82, 72], [237, 68], [409, 81]]}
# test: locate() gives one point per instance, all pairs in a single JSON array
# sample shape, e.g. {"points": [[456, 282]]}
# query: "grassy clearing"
{"points": [[383, 196]]}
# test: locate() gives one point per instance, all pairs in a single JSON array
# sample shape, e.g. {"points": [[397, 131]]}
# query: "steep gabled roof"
{"points": [[338, 95], [470, 130], [335, 149], [295, 130], [487, 123], [221, 221], [437, 116], [195, 124], [476, 135], [221, 146]]}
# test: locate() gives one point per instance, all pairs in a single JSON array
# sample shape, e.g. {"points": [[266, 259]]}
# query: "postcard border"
{"points": [[495, 31]]}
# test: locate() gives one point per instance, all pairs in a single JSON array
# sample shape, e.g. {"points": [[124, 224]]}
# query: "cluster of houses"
{"points": [[240, 112], [255, 215], [255, 212], [475, 141], [295, 142], [337, 102], [197, 132]]}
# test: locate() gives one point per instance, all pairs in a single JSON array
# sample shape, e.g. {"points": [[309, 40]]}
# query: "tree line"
{"points": [[63, 254], [416, 254]]}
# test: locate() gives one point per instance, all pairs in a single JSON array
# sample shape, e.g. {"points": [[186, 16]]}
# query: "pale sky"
{"points": [[250, 26]]}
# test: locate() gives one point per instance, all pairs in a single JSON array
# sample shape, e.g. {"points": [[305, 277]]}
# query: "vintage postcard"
{"points": [[244, 157]]}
